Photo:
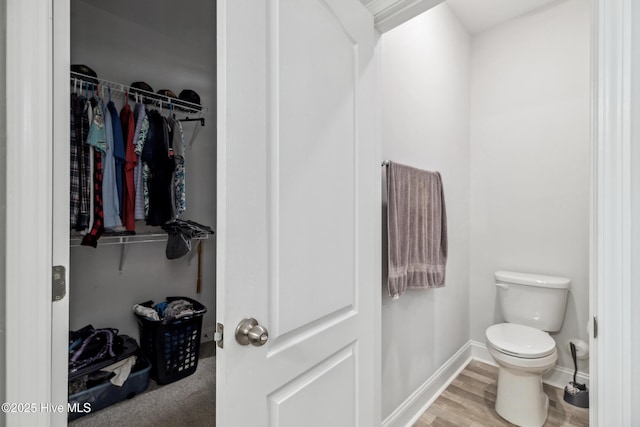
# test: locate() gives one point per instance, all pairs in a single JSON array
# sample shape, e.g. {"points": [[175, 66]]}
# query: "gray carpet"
{"points": [[189, 401]]}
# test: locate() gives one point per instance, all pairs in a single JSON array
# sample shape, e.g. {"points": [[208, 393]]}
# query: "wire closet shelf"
{"points": [[86, 82]]}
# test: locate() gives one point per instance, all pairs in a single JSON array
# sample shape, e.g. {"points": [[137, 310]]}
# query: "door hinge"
{"points": [[218, 337], [595, 327], [58, 283]]}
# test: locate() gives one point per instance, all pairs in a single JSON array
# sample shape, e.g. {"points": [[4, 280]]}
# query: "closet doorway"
{"points": [[171, 48]]}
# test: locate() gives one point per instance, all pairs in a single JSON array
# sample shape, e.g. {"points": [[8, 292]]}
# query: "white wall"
{"points": [[3, 197], [176, 55], [530, 160], [634, 376], [425, 123]]}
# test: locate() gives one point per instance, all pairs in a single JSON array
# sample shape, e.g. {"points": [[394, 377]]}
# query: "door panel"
{"points": [[299, 224], [313, 89], [322, 394]]}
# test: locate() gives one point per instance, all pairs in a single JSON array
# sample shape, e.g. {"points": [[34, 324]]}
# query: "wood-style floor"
{"points": [[470, 399]]}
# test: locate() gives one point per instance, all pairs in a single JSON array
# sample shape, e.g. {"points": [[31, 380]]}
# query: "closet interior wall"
{"points": [[169, 45]]}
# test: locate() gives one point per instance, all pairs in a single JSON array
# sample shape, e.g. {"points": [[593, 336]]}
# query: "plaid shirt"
{"points": [[91, 238], [74, 206], [84, 155]]}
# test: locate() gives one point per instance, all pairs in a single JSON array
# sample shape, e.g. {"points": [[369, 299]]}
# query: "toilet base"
{"points": [[520, 399]]}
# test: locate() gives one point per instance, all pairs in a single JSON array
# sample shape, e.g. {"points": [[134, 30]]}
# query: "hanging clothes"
{"points": [[91, 238], [109, 186], [74, 177], [140, 136], [179, 194], [80, 177], [89, 114], [119, 153], [98, 140], [97, 137], [161, 165], [128, 203]]}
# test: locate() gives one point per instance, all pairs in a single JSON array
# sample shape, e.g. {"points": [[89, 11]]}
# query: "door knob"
{"points": [[249, 332]]}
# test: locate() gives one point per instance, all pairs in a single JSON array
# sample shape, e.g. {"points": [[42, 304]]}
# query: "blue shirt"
{"points": [[109, 188], [119, 153]]}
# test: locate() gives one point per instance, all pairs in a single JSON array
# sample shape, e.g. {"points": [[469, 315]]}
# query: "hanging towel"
{"points": [[417, 229]]}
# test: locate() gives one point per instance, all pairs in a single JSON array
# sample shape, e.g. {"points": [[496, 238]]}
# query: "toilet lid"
{"points": [[520, 341]]}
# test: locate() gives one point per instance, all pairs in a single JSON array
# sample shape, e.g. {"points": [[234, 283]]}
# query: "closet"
{"points": [[170, 46]]}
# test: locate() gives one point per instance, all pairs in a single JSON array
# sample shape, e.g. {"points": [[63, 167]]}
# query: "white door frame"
{"points": [[28, 244], [611, 298], [29, 171], [61, 59]]}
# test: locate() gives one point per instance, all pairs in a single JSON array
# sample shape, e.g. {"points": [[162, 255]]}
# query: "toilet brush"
{"points": [[575, 393]]}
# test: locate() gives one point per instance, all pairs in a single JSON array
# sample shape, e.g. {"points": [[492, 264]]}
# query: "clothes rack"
{"points": [[199, 119], [87, 82]]}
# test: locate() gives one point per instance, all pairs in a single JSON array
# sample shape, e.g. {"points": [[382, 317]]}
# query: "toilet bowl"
{"points": [[532, 305], [523, 354]]}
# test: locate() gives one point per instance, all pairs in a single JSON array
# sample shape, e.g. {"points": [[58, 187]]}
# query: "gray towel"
{"points": [[417, 229]]}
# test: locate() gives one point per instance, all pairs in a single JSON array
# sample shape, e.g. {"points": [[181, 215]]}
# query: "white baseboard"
{"points": [[558, 376], [412, 408]]}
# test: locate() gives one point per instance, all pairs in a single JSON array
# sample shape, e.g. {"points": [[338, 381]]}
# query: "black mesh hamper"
{"points": [[172, 345]]}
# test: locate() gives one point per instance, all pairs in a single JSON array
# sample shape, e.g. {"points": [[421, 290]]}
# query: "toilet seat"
{"points": [[520, 341]]}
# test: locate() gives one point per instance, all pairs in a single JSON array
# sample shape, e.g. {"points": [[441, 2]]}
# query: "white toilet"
{"points": [[532, 304]]}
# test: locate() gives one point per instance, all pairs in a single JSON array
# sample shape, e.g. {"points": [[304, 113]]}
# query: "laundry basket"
{"points": [[172, 345]]}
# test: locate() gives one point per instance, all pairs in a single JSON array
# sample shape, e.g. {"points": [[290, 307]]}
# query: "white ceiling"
{"points": [[479, 15], [190, 18]]}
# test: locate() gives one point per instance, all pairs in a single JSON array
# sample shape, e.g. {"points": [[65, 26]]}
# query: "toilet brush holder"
{"points": [[576, 396], [575, 393]]}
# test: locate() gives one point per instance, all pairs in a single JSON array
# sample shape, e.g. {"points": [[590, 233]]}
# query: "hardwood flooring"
{"points": [[470, 399]]}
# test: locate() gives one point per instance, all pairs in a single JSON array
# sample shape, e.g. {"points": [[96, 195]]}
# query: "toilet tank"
{"points": [[532, 299]]}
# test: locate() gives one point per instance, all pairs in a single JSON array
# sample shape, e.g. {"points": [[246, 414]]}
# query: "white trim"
{"points": [[377, 305], [60, 233], [28, 206], [593, 215], [412, 408], [612, 192], [388, 14], [558, 376], [221, 203]]}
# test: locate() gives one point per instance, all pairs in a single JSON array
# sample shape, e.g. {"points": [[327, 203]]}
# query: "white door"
{"points": [[35, 165], [299, 212]]}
